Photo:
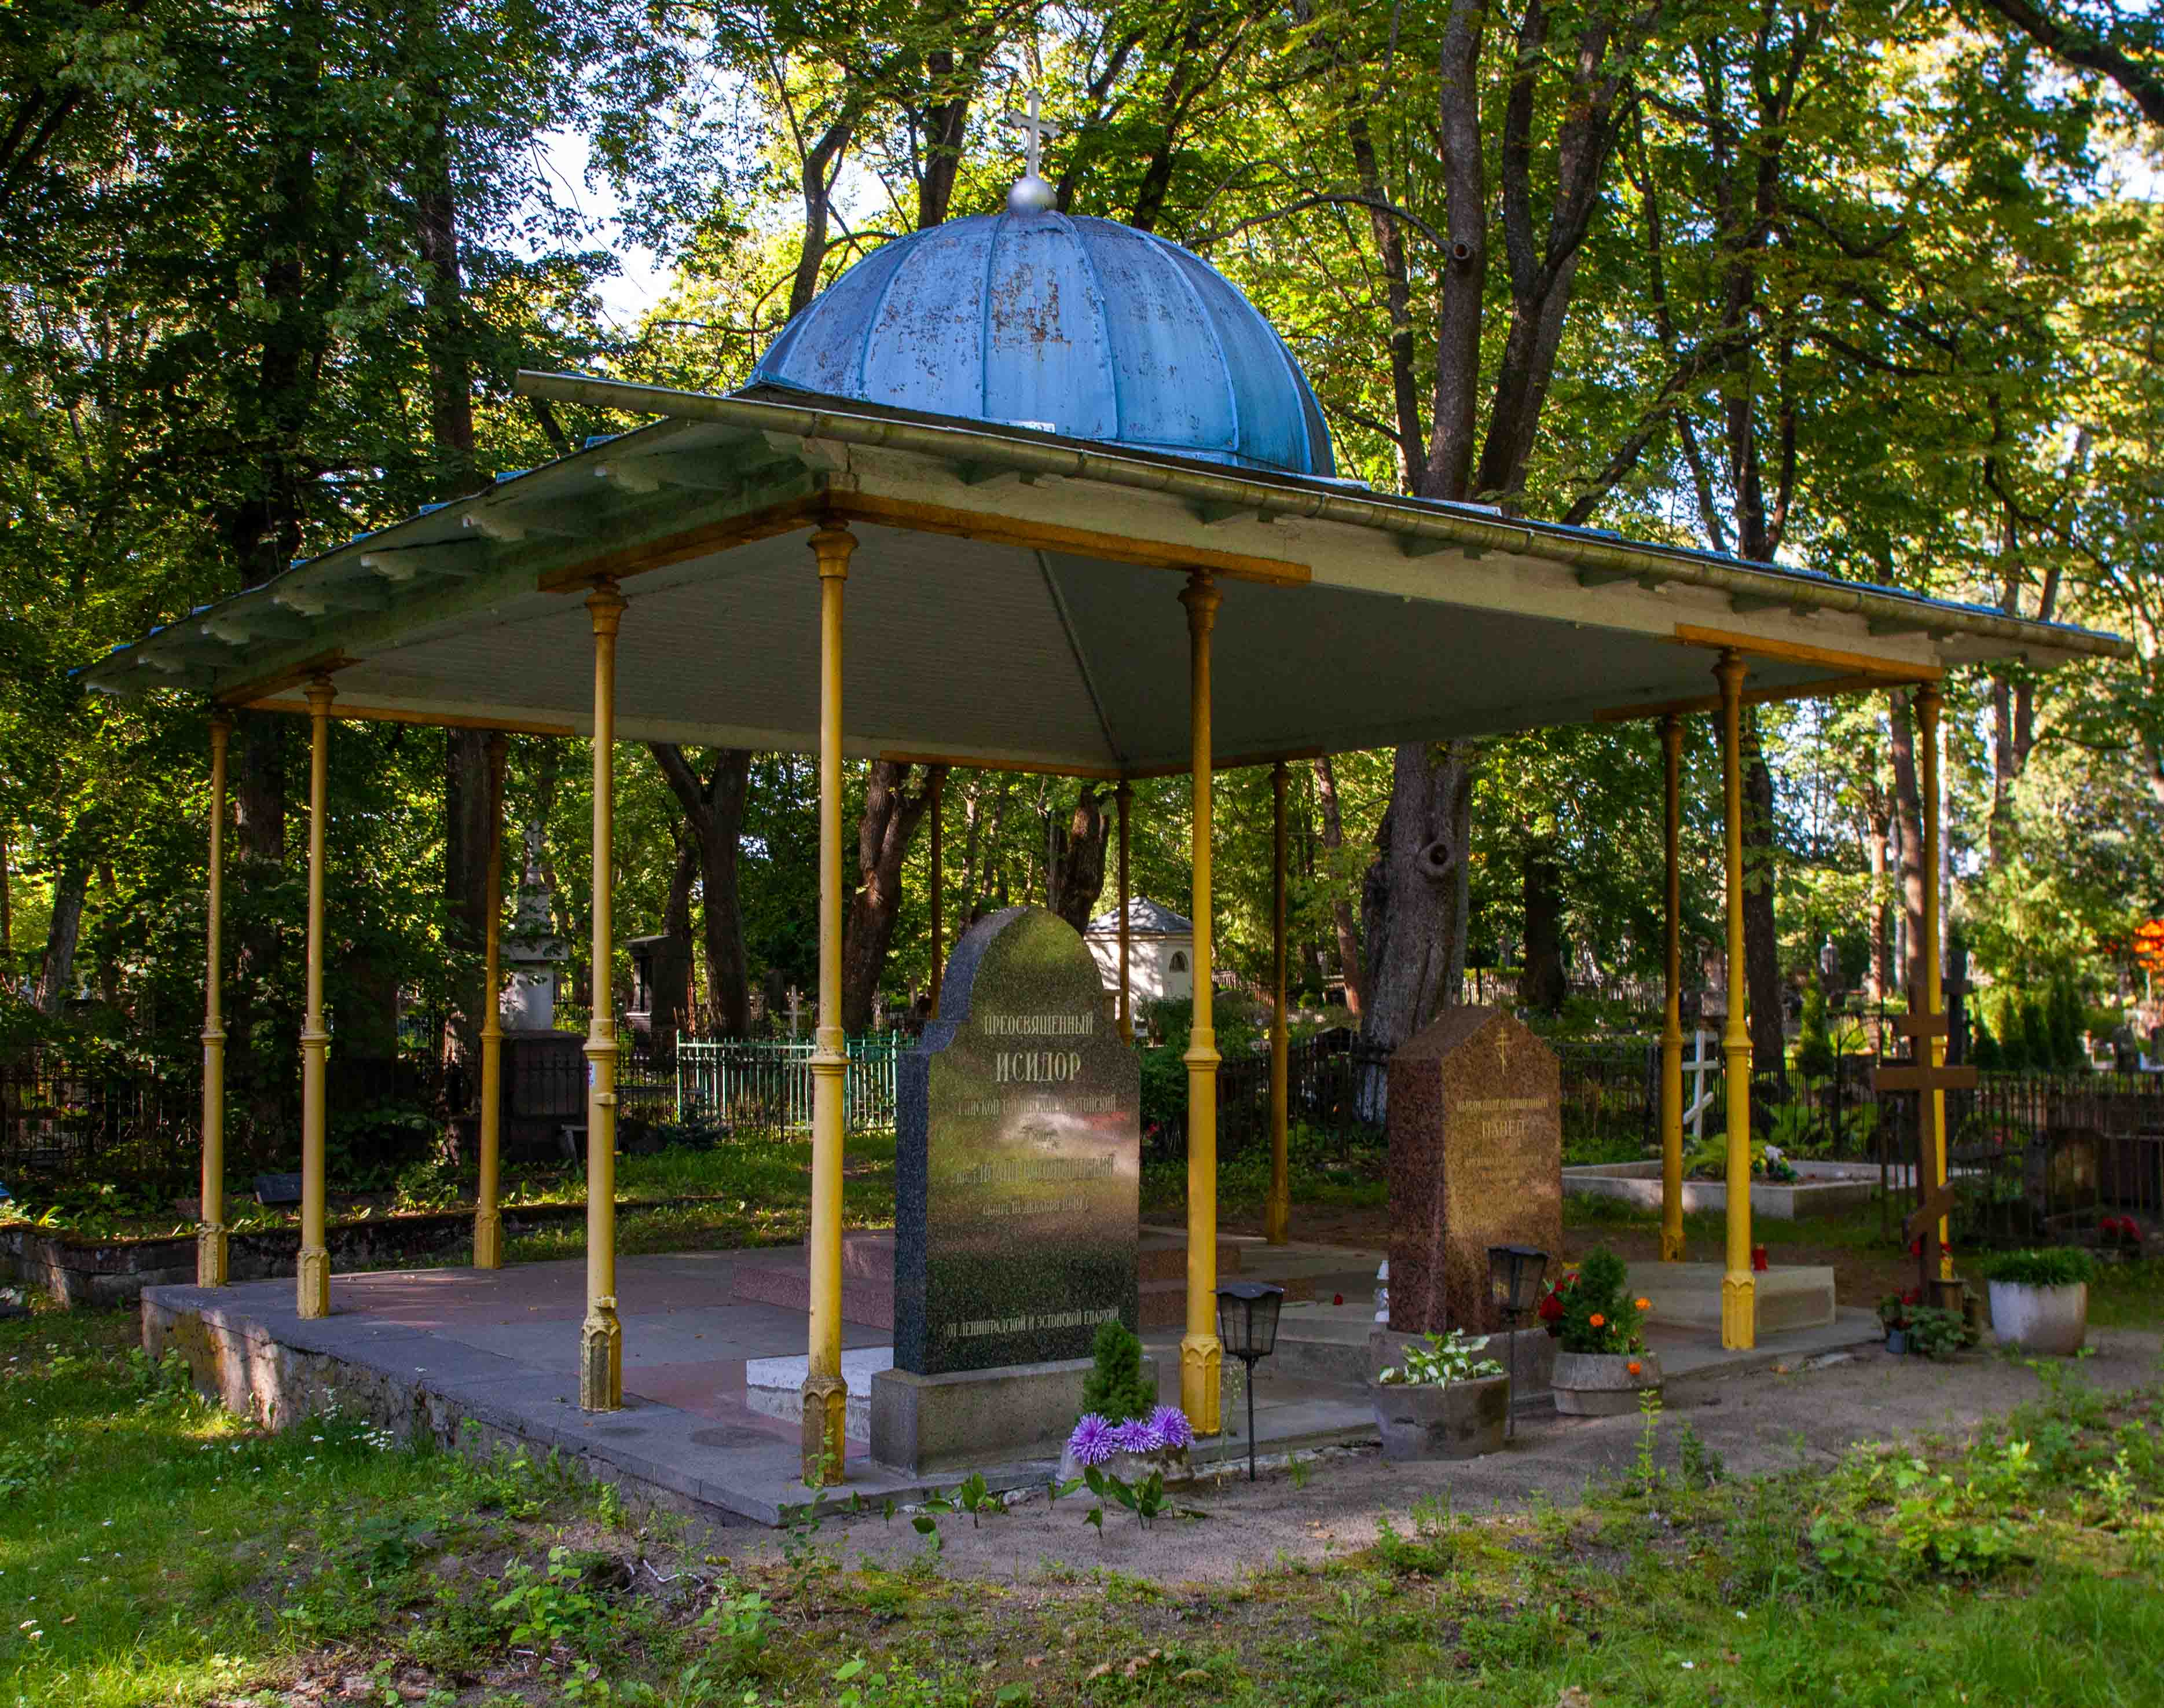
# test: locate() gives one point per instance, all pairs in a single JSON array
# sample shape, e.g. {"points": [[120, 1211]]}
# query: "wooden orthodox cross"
{"points": [[1925, 1075]]}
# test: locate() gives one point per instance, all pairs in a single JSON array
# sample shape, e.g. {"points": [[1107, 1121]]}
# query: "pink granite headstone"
{"points": [[1476, 1159]]}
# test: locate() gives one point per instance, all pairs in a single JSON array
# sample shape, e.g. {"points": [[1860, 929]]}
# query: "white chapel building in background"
{"points": [[1160, 951]]}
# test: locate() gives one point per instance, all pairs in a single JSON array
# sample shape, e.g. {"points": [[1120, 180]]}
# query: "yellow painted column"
{"points": [[938, 888], [601, 1336], [1739, 1304], [1929, 705], [315, 1266], [1672, 1015], [1277, 1220], [211, 1265], [1200, 1352], [826, 1390], [488, 1222], [1124, 795]]}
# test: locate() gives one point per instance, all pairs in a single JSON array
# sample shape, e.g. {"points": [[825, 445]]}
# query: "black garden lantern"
{"points": [[1247, 1330], [1513, 1288]]}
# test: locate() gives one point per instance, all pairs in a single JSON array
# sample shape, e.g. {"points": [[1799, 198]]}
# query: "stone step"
{"points": [[1163, 1304], [785, 1280], [774, 1387], [1164, 1258]]}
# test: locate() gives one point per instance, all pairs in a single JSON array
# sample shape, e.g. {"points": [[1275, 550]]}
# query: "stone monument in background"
{"points": [[533, 955], [1475, 1124], [1017, 1180]]}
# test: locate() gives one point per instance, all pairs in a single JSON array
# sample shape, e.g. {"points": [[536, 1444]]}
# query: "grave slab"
{"points": [[1788, 1296]]}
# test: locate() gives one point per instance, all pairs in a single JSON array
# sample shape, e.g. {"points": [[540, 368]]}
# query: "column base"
{"points": [[1201, 1360], [601, 1359], [1672, 1246], [488, 1239], [1277, 1222], [315, 1281], [1739, 1311], [211, 1268], [826, 1411]]}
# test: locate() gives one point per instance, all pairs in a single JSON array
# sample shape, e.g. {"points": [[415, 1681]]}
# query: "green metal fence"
{"points": [[756, 1082]]}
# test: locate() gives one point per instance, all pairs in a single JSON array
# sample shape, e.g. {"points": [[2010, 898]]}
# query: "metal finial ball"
{"points": [[1031, 195]]}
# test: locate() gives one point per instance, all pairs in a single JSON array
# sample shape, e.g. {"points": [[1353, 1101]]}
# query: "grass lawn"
{"points": [[154, 1551]]}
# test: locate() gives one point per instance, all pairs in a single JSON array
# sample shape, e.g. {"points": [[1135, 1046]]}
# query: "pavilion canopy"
{"points": [[1010, 603]]}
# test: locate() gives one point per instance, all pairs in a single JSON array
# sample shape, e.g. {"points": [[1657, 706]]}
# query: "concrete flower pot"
{"points": [[1600, 1383], [2040, 1319], [1458, 1420]]}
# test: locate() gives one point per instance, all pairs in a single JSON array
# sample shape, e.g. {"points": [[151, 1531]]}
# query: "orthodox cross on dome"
{"points": [[1031, 193]]}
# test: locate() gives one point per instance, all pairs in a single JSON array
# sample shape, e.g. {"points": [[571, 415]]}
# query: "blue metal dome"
{"points": [[1081, 327]]}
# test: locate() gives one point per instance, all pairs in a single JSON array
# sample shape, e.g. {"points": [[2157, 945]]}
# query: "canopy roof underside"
{"points": [[1012, 600]]}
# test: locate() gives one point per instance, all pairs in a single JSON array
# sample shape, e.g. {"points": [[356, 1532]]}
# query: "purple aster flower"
{"points": [[1135, 1436], [1169, 1425], [1091, 1443]]}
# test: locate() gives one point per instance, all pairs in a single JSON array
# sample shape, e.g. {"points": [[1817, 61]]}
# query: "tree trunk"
{"points": [[56, 973], [1545, 982], [1075, 872], [892, 813], [669, 1000], [465, 896], [1907, 808], [258, 769], [1414, 902], [713, 812], [1877, 832], [1341, 910], [1761, 946]]}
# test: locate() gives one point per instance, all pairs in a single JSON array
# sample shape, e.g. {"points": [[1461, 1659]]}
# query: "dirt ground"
{"points": [[1223, 1526]]}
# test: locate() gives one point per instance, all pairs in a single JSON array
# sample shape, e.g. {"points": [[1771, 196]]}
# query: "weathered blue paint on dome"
{"points": [[1083, 327]]}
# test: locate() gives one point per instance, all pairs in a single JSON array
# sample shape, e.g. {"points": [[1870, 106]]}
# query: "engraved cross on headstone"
{"points": [[1924, 1076]]}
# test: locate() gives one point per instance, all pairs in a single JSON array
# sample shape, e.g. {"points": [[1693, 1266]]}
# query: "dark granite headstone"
{"points": [[1018, 1163], [277, 1188], [1476, 1159]]}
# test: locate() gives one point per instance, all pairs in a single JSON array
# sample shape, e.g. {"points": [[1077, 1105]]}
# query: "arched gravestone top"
{"points": [[1018, 1160]]}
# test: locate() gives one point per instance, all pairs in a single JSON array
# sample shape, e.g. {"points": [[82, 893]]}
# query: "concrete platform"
{"points": [[446, 1354], [1824, 1189]]}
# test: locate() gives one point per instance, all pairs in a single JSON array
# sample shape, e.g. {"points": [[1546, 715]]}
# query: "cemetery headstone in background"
{"points": [[1476, 1159]]}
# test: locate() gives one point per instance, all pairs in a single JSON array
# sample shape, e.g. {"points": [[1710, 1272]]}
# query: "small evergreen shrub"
{"points": [[2055, 1266], [1116, 1391]]}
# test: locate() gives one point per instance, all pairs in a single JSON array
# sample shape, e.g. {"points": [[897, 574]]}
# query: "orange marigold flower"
{"points": [[1597, 1320], [1643, 1304], [1634, 1366]]}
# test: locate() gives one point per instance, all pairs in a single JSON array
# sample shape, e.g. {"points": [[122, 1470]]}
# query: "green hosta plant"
{"points": [[2056, 1266], [1441, 1359]]}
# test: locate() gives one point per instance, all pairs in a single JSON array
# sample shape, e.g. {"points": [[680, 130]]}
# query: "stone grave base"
{"points": [[1822, 1189], [1015, 1412], [1688, 1295], [775, 1387]]}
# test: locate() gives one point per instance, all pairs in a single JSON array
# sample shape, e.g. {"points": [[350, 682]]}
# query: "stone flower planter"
{"points": [[1600, 1384], [1458, 1420], [2040, 1319]]}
